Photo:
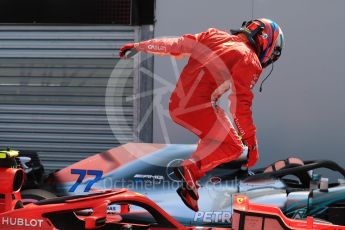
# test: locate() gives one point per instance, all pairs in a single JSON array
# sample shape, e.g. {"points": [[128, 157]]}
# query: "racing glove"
{"points": [[125, 48], [253, 152]]}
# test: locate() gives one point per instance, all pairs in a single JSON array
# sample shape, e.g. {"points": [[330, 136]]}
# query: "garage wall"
{"points": [[301, 109], [53, 90]]}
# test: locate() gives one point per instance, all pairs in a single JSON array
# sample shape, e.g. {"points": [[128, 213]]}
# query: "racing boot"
{"points": [[187, 199], [189, 173]]}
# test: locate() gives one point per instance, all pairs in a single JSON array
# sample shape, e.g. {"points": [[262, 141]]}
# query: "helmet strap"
{"points": [[250, 34]]}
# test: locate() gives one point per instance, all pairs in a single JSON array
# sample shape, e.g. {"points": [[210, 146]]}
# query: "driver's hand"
{"points": [[125, 48], [253, 152]]}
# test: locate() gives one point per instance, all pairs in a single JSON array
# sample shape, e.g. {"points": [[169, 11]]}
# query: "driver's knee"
{"points": [[233, 149]]}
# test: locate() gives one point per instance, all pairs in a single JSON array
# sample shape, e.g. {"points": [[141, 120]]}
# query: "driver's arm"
{"points": [[183, 45], [244, 74]]}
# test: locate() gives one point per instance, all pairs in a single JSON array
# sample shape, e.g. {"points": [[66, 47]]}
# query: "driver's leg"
{"points": [[219, 140], [222, 144]]}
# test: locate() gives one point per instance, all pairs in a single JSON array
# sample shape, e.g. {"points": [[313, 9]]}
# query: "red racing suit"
{"points": [[218, 62]]}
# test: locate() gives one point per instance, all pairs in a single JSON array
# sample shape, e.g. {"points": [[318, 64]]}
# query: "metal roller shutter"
{"points": [[53, 81]]}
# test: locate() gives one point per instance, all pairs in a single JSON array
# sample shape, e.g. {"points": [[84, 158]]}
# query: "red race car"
{"points": [[110, 209], [250, 216]]}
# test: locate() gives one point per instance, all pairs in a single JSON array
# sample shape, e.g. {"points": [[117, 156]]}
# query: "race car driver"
{"points": [[218, 62]]}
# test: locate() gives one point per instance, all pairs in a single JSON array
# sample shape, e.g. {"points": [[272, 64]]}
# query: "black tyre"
{"points": [[34, 195]]}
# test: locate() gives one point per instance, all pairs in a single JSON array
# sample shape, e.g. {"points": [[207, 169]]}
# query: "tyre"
{"points": [[34, 195]]}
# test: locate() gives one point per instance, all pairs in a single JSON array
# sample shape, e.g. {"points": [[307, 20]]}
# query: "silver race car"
{"points": [[297, 187]]}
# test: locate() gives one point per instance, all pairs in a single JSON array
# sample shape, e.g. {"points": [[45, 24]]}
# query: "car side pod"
{"points": [[250, 216], [11, 181]]}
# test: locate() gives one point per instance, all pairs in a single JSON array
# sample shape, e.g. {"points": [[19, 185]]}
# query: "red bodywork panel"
{"points": [[11, 181], [89, 211], [250, 216], [36, 216]]}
